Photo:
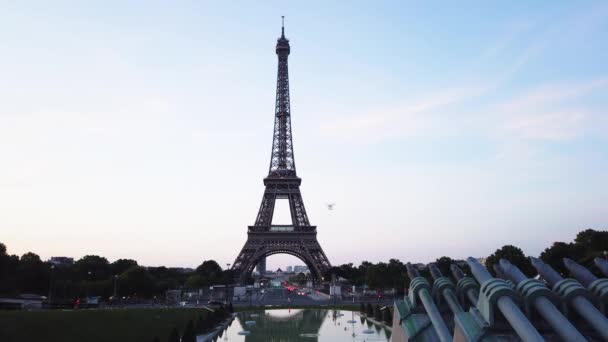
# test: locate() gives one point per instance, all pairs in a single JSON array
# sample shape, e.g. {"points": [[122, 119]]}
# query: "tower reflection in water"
{"points": [[285, 325]]}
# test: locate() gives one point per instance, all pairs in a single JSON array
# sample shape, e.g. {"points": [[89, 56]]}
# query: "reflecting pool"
{"points": [[303, 325]]}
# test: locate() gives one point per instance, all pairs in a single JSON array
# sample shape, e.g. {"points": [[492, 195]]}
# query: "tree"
{"points": [[121, 265], [211, 272], [443, 264], [32, 274], [136, 280], [99, 268], [195, 281], [515, 256], [299, 279], [554, 255], [592, 239]]}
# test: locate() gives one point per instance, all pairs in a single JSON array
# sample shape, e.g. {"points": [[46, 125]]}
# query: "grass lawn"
{"points": [[116, 325]]}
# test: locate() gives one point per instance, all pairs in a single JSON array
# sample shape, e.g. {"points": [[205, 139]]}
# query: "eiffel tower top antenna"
{"points": [[282, 26]]}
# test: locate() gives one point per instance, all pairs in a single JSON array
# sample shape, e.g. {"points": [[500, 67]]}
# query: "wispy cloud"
{"points": [[551, 112], [411, 119]]}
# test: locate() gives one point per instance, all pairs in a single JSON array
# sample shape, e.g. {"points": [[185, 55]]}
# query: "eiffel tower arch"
{"points": [[298, 238]]}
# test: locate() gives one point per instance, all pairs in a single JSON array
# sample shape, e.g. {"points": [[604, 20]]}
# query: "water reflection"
{"points": [[309, 325]]}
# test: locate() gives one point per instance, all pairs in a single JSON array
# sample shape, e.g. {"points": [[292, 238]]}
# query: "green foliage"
{"points": [[443, 264], [587, 245], [121, 265], [136, 281], [362, 308], [387, 275], [195, 281], [211, 272], [299, 279], [93, 267], [32, 274], [559, 250], [515, 256]]}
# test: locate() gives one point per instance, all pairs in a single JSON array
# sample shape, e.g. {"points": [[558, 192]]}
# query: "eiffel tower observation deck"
{"points": [[298, 238]]}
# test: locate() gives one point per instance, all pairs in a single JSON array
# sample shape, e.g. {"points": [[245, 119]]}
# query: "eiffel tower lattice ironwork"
{"points": [[263, 238]]}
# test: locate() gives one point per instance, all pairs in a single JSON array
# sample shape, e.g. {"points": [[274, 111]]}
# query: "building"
{"points": [[289, 269], [301, 269], [62, 261]]}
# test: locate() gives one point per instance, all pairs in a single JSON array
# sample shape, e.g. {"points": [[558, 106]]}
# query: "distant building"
{"points": [[62, 261], [289, 269], [300, 269]]}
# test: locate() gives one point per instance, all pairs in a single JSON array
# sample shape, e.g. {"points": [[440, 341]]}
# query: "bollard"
{"points": [[597, 286], [579, 272], [536, 294], [602, 264], [466, 285], [420, 287], [444, 286], [496, 292], [574, 294], [501, 275]]}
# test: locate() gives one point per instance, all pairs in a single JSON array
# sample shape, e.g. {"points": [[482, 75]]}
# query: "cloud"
{"points": [[551, 111], [412, 119]]}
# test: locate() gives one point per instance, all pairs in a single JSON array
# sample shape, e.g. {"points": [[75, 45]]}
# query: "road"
{"points": [[284, 297]]}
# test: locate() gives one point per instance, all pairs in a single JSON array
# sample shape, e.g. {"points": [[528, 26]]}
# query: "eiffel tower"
{"points": [[263, 238]]}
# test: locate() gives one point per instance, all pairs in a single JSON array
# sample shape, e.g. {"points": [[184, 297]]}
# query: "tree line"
{"points": [[587, 245], [95, 275]]}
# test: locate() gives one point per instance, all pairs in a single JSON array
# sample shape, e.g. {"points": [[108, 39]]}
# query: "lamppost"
{"points": [[51, 284], [87, 285], [227, 291], [115, 285]]}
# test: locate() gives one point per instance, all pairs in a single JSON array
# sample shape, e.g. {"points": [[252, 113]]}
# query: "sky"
{"points": [[142, 130]]}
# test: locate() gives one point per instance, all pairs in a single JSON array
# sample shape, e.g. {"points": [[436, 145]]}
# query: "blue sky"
{"points": [[143, 131]]}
